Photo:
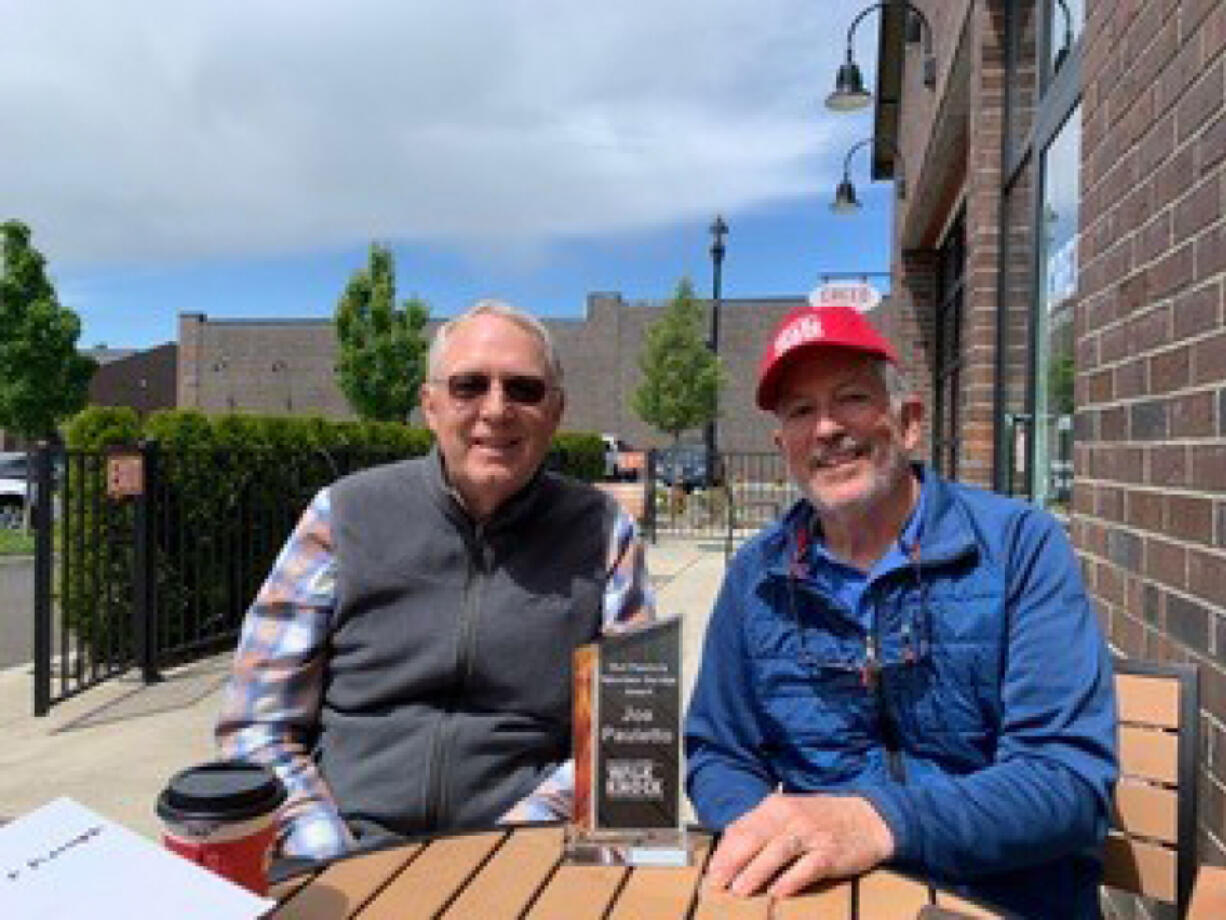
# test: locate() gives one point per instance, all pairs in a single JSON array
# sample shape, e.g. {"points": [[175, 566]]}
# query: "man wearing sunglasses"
{"points": [[902, 669], [405, 669]]}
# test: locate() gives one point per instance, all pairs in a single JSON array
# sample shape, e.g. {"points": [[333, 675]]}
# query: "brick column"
{"points": [[1150, 505], [983, 203], [188, 388]]}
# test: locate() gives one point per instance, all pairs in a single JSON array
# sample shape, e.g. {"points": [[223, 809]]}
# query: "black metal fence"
{"points": [[147, 558], [729, 500]]}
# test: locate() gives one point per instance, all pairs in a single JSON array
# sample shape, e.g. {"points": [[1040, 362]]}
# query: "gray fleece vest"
{"points": [[448, 693]]}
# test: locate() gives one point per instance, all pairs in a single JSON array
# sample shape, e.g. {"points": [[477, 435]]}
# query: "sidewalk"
{"points": [[113, 747]]}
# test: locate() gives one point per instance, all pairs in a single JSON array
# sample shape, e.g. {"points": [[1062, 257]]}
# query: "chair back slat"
{"points": [[1151, 847], [1142, 810], [1145, 700], [1134, 865], [1149, 755]]}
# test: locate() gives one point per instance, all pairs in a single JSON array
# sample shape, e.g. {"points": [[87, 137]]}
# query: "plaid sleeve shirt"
{"points": [[270, 708]]}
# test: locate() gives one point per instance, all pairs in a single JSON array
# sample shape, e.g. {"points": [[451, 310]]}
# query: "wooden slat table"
{"points": [[518, 873]]}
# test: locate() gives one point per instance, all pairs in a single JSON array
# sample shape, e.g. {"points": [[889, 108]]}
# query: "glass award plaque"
{"points": [[627, 749]]}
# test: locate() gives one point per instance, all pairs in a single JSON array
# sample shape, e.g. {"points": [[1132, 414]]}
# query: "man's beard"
{"points": [[883, 476]]}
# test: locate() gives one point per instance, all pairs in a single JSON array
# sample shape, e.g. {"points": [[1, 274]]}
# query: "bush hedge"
{"points": [[224, 492]]}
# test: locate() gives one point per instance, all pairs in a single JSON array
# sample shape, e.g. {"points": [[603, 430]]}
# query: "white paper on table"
{"points": [[63, 860]]}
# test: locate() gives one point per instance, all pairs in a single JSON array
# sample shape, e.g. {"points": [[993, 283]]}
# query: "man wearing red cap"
{"points": [[902, 669]]}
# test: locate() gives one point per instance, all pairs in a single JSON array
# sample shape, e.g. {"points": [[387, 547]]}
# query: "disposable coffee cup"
{"points": [[222, 815]]}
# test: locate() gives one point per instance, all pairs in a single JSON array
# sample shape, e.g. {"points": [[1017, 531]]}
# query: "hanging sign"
{"points": [[859, 295], [125, 473]]}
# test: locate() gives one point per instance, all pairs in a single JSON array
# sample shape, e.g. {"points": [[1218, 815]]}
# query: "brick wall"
{"points": [[914, 300], [286, 366], [951, 139], [1150, 495], [144, 380], [985, 32]]}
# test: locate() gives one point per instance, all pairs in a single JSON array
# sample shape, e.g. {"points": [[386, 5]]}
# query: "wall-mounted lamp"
{"points": [[1066, 46], [845, 200], [849, 92]]}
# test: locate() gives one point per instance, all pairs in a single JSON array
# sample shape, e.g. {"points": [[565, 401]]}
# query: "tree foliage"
{"points": [[42, 377], [382, 346], [681, 377]]}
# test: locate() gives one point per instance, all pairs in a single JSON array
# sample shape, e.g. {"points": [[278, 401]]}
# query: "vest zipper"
{"points": [[437, 803]]}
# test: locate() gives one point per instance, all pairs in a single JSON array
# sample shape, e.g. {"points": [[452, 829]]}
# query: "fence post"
{"points": [[145, 564], [44, 547]]}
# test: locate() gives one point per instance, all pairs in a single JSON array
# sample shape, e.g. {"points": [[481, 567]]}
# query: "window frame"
{"points": [[1058, 95]]}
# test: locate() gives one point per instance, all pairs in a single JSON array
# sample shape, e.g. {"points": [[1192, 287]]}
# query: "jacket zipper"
{"points": [[871, 678], [875, 684]]}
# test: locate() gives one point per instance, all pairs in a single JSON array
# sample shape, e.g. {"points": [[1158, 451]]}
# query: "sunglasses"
{"points": [[518, 388]]}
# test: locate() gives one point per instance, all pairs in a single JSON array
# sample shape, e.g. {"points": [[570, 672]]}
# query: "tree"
{"points": [[43, 379], [681, 377], [382, 347]]}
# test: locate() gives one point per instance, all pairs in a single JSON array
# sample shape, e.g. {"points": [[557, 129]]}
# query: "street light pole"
{"points": [[718, 230]]}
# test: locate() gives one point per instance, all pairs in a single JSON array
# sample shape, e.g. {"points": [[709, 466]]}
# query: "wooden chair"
{"points": [[1151, 847], [1209, 894]]}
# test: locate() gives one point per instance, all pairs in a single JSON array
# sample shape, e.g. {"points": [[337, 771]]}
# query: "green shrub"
{"points": [[224, 491], [579, 454], [98, 426]]}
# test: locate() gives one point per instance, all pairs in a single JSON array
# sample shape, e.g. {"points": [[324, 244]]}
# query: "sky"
{"points": [[239, 158]]}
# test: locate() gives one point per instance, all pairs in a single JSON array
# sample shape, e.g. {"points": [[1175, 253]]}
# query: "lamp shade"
{"points": [[849, 92], [845, 201]]}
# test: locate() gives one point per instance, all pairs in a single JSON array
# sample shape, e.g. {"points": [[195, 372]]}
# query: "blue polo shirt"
{"points": [[846, 582]]}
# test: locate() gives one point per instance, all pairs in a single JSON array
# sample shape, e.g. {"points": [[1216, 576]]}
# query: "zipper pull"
{"points": [[871, 671], [908, 654]]}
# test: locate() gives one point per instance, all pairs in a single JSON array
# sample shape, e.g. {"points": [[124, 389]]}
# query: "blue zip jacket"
{"points": [[993, 674]]}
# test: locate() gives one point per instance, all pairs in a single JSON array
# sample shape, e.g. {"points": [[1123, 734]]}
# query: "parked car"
{"points": [[12, 488], [686, 465], [12, 500], [16, 485], [621, 462]]}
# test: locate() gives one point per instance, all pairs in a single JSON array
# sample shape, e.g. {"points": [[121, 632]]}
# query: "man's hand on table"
{"points": [[791, 841]]}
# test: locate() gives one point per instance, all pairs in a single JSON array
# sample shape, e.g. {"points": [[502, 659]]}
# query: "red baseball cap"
{"points": [[809, 327]]}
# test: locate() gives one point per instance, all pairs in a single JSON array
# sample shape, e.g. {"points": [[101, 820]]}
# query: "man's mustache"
{"points": [[840, 447]]}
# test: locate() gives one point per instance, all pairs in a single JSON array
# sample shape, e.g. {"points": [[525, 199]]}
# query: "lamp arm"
{"points": [[919, 14], [852, 149], [1068, 23], [870, 140], [898, 158], [851, 29]]}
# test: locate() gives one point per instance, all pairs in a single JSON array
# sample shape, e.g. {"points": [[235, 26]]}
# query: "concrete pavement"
{"points": [[16, 607], [113, 747]]}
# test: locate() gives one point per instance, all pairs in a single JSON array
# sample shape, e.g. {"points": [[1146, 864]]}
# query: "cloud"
{"points": [[137, 129]]}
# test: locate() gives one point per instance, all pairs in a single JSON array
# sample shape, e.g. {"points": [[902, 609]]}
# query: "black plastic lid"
{"points": [[228, 790]]}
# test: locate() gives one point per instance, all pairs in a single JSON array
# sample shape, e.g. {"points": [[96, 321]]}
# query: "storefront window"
{"points": [[1057, 289]]}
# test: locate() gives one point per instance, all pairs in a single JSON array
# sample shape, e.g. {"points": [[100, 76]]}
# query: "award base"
{"points": [[665, 846]]}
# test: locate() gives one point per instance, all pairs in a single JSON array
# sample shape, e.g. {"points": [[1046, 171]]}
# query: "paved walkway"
{"points": [[113, 747]]}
